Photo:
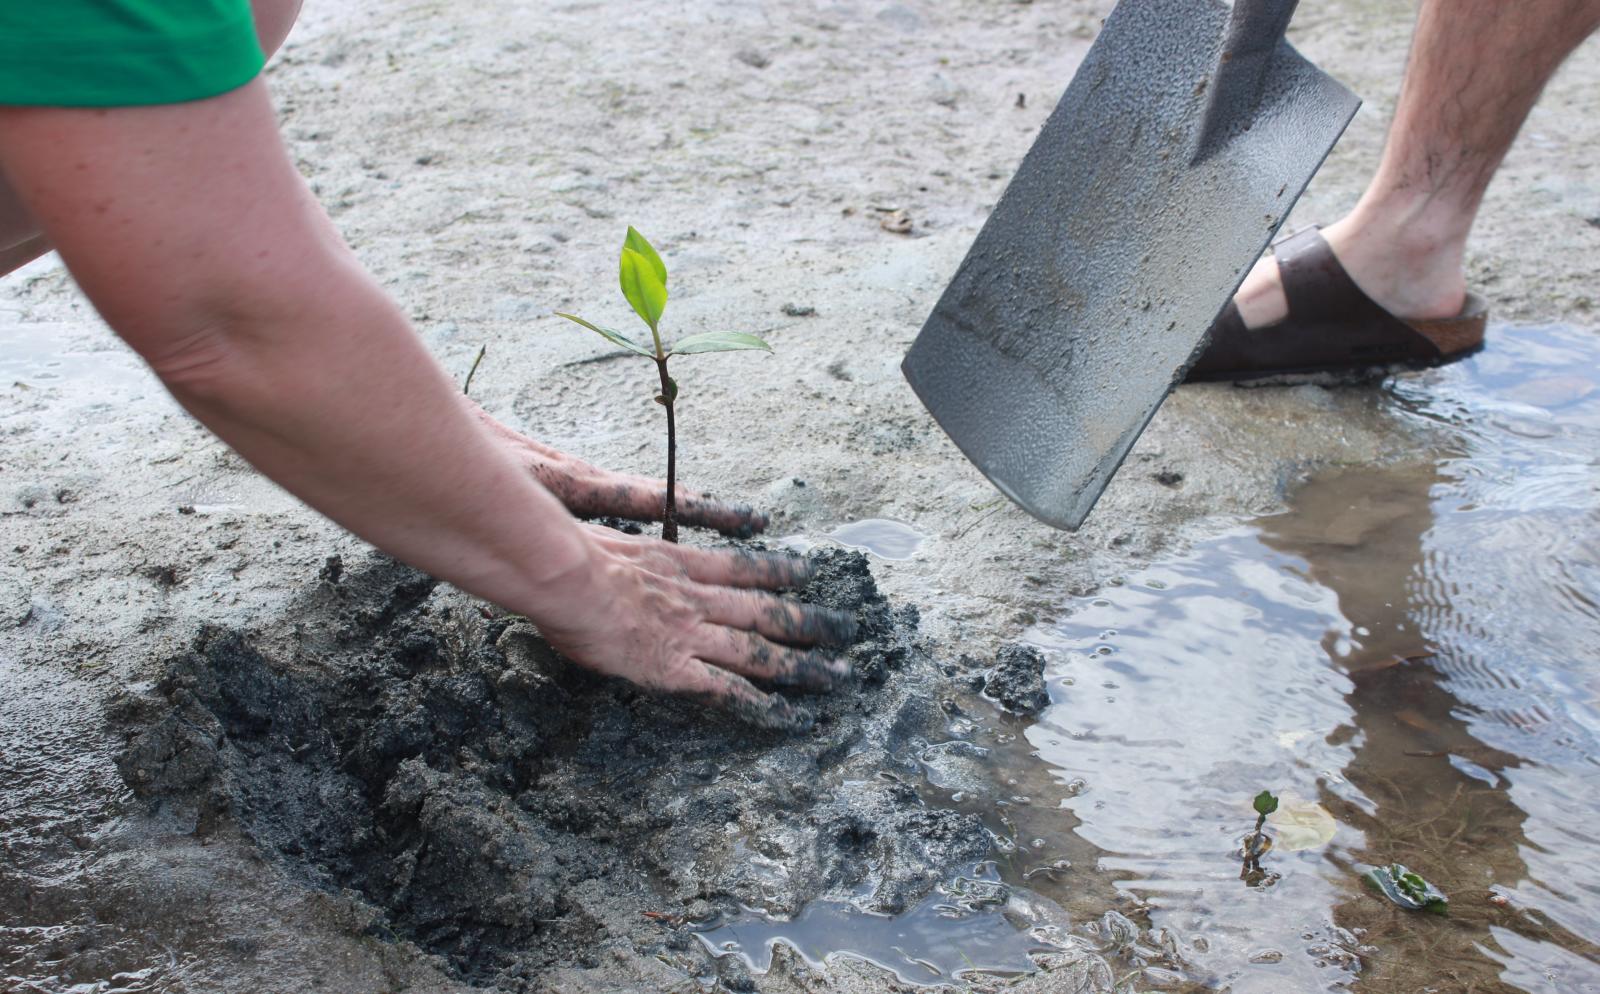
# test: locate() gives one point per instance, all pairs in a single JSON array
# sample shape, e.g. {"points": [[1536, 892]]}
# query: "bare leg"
{"points": [[1476, 69], [20, 241]]}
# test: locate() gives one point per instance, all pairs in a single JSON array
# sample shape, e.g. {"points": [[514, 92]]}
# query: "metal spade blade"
{"points": [[1174, 155]]}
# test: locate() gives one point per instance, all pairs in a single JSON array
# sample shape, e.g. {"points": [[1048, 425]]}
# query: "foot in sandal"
{"points": [[1313, 316], [1384, 285]]}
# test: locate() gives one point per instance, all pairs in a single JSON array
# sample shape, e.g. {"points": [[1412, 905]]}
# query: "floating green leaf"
{"points": [[614, 337], [718, 341], [1407, 889], [1265, 803], [643, 287], [642, 245]]}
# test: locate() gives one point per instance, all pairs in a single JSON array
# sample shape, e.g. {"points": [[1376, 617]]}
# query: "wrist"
{"points": [[562, 580]]}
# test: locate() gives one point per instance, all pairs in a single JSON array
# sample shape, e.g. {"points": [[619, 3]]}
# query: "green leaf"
{"points": [[672, 388], [1265, 803], [642, 245], [614, 337], [1407, 889], [642, 287], [718, 341]]}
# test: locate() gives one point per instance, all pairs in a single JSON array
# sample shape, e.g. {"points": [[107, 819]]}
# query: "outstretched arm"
{"points": [[191, 231]]}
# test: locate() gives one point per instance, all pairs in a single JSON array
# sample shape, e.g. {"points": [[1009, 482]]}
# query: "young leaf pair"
{"points": [[643, 277]]}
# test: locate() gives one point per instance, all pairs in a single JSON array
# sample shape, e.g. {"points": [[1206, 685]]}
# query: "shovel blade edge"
{"points": [[1088, 292]]}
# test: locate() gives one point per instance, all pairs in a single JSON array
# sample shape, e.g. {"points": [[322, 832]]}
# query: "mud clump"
{"points": [[536, 826], [1016, 682]]}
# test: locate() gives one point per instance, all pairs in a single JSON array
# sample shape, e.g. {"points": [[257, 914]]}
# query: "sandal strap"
{"points": [[1316, 285], [1332, 324]]}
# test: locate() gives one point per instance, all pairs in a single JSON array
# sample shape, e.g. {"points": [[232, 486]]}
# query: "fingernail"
{"points": [[778, 713], [800, 568], [840, 627], [829, 626], [747, 522], [821, 672]]}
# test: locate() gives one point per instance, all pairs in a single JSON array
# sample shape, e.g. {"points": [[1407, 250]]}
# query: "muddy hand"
{"points": [[589, 491], [700, 623]]}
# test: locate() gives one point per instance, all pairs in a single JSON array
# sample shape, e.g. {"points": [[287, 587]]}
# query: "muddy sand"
{"points": [[240, 752]]}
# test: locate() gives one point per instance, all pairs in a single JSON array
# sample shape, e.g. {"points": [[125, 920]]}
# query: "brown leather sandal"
{"points": [[1332, 327]]}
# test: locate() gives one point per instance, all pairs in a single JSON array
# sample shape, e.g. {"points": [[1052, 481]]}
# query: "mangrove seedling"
{"points": [[644, 284], [1258, 843]]}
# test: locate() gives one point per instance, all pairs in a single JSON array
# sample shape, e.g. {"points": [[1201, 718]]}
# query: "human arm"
{"points": [[190, 230]]}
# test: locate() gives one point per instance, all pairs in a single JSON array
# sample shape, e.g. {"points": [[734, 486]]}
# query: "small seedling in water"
{"points": [[1258, 843], [644, 283]]}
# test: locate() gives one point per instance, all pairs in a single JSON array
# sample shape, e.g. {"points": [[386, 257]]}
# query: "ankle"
{"points": [[1408, 260]]}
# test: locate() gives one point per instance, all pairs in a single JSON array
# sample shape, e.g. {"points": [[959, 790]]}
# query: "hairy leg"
{"points": [[1476, 68], [20, 240]]}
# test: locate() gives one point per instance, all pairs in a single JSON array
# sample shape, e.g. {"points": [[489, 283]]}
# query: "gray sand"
{"points": [[484, 160]]}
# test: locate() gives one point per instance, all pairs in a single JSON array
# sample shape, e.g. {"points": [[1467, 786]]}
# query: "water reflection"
{"points": [[1412, 646], [967, 926]]}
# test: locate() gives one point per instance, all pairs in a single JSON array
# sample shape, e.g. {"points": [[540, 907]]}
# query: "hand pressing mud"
{"points": [[701, 624], [591, 492]]}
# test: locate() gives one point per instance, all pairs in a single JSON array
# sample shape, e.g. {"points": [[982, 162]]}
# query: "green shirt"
{"points": [[119, 53]]}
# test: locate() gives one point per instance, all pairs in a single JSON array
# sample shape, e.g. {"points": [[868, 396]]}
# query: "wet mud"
{"points": [[771, 159], [525, 820], [1016, 682]]}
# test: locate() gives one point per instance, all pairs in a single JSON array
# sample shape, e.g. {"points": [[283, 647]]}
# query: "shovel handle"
{"points": [[1255, 28]]}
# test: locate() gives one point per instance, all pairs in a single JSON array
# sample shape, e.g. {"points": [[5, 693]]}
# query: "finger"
{"points": [[717, 567], [776, 618], [743, 567], [732, 518], [748, 654], [733, 693], [595, 493], [644, 499]]}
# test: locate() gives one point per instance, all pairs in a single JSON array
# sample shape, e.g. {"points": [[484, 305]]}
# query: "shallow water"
{"points": [[1414, 648], [36, 355], [883, 537], [966, 926]]}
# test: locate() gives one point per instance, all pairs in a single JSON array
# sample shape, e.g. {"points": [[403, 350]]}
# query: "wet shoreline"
{"points": [[483, 160]]}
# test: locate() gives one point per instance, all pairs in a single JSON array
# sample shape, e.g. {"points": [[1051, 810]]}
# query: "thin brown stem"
{"points": [[466, 387], [1252, 849], [669, 513]]}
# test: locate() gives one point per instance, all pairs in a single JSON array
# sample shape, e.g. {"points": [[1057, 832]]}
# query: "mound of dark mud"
{"points": [[1016, 682], [536, 826]]}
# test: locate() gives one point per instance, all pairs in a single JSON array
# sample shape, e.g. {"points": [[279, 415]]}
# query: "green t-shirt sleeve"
{"points": [[120, 53]]}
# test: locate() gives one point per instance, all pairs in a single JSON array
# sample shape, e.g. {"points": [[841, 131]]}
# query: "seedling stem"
{"points": [[643, 277]]}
